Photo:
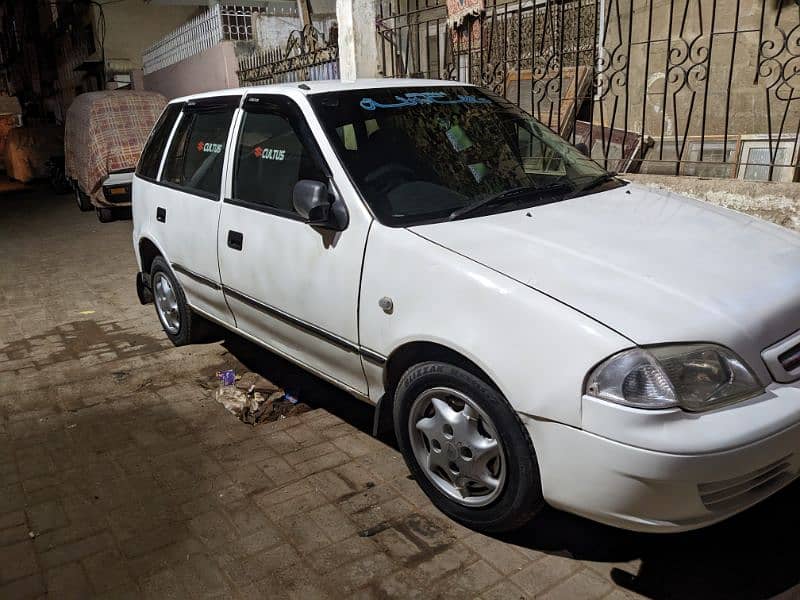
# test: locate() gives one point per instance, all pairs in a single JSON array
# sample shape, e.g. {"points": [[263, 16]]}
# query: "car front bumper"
{"points": [[116, 190], [646, 490]]}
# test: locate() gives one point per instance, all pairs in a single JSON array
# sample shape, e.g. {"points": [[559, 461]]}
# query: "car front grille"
{"points": [[739, 492], [783, 359]]}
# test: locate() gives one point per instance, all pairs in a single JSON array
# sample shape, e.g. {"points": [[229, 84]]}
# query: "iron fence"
{"points": [[693, 87], [307, 56]]}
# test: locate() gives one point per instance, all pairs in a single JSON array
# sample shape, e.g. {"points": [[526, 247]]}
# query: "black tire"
{"points": [[105, 215], [521, 495], [84, 205], [193, 328]]}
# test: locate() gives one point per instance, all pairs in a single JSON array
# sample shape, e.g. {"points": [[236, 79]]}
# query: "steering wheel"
{"points": [[387, 177]]}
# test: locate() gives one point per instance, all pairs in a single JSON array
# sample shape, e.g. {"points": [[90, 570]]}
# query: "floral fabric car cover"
{"points": [[105, 132]]}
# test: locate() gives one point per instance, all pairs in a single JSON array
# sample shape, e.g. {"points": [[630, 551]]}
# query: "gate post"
{"points": [[358, 46]]}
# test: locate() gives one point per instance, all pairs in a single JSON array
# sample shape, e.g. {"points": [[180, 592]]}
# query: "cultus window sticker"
{"points": [[209, 147], [269, 153]]}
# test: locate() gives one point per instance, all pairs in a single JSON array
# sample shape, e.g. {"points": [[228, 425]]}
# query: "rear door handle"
{"points": [[235, 240], [161, 215]]}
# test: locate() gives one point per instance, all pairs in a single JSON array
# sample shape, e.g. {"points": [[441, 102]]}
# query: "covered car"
{"points": [[103, 138]]}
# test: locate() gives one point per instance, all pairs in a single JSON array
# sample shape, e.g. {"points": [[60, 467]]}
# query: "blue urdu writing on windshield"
{"points": [[418, 98]]}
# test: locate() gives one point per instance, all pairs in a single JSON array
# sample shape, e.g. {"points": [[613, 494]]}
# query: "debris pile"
{"points": [[254, 399]]}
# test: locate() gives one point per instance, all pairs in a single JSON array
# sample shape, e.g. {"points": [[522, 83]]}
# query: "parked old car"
{"points": [[538, 329], [104, 135]]}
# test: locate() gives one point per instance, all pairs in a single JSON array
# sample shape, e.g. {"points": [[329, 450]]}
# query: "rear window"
{"points": [[194, 160], [150, 160]]}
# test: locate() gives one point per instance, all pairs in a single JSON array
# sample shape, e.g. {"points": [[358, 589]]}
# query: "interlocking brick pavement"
{"points": [[121, 477]]}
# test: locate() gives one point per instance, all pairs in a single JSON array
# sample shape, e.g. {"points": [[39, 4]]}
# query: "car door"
{"points": [[187, 206], [291, 286]]}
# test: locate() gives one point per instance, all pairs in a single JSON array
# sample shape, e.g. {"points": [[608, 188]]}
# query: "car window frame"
{"points": [[199, 105], [167, 142], [289, 109], [336, 146]]}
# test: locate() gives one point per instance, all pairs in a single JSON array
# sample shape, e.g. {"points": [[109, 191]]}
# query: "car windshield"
{"points": [[424, 154]]}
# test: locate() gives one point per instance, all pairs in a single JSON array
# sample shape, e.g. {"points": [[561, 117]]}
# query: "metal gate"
{"points": [[691, 87], [307, 56]]}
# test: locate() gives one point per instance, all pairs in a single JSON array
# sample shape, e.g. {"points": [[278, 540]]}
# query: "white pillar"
{"points": [[304, 11], [358, 45]]}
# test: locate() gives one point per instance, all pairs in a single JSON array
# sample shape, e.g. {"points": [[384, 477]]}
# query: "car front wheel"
{"points": [[466, 447]]}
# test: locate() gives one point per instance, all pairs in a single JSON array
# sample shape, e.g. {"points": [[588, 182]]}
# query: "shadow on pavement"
{"points": [[752, 555]]}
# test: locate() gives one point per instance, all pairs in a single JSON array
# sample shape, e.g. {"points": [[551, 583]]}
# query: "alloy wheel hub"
{"points": [[456, 444], [166, 303]]}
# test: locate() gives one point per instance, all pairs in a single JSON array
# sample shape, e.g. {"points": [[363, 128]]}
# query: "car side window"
{"points": [[270, 159], [150, 160], [197, 153]]}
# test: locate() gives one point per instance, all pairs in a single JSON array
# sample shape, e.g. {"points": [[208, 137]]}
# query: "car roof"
{"points": [[318, 87]]}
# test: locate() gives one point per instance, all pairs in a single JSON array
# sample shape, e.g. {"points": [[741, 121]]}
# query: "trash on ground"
{"points": [[254, 399], [257, 382], [227, 377]]}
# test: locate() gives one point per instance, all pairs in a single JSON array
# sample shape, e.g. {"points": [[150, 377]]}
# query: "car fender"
{"points": [[536, 350]]}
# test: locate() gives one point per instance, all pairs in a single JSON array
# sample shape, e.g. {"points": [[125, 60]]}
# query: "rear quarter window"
{"points": [[150, 160]]}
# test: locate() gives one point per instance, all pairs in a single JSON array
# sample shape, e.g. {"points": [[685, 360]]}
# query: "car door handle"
{"points": [[235, 240], [161, 215]]}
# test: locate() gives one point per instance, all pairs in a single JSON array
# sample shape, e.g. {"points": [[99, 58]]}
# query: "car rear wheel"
{"points": [[466, 447], [83, 200], [181, 324]]}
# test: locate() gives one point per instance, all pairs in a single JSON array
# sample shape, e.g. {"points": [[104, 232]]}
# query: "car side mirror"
{"points": [[313, 201]]}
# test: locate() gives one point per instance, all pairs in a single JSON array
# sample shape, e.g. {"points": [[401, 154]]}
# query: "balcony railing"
{"points": [[218, 23]]}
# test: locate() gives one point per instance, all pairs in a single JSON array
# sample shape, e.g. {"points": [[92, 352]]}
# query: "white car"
{"points": [[538, 329]]}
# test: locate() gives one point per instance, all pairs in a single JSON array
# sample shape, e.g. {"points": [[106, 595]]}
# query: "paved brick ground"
{"points": [[121, 477]]}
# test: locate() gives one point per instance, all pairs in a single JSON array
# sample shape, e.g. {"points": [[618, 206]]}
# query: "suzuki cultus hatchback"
{"points": [[538, 329]]}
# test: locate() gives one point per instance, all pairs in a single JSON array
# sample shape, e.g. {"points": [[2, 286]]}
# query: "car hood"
{"points": [[654, 266]]}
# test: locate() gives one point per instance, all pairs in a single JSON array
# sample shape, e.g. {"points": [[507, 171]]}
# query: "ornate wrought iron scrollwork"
{"points": [[673, 72], [779, 64], [305, 49]]}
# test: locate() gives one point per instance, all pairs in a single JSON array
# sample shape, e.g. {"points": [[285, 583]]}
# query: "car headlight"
{"points": [[694, 377]]}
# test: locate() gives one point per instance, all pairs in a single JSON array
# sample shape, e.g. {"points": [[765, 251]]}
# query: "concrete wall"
{"points": [[699, 94], [771, 201], [213, 69], [132, 26], [272, 31]]}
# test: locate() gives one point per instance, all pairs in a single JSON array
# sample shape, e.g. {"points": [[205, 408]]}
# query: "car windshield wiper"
{"points": [[505, 196], [598, 180]]}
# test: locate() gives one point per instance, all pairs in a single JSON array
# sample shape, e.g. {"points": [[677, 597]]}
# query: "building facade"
{"points": [[692, 87]]}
